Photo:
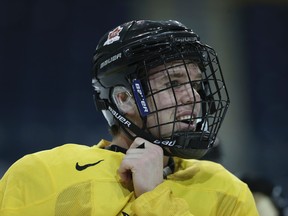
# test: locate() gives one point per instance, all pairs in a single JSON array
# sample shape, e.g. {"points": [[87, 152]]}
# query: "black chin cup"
{"points": [[190, 145]]}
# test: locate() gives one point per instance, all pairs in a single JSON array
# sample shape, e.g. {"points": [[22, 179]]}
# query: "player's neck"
{"points": [[121, 141]]}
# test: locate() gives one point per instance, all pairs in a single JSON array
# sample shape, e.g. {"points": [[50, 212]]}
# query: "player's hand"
{"points": [[142, 167]]}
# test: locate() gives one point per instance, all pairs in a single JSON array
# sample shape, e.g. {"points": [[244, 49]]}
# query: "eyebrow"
{"points": [[198, 76], [180, 73], [171, 72]]}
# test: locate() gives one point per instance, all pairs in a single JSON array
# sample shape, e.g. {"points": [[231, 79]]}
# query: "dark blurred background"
{"points": [[46, 49]]}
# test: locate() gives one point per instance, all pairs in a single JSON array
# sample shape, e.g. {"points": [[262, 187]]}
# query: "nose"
{"points": [[187, 94]]}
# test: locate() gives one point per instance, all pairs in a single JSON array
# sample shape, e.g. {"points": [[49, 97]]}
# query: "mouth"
{"points": [[187, 122], [185, 118]]}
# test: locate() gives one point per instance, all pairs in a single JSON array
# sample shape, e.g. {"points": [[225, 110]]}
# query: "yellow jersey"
{"points": [[78, 180]]}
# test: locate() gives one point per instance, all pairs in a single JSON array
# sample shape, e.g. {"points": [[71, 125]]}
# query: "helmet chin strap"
{"points": [[191, 142], [141, 133]]}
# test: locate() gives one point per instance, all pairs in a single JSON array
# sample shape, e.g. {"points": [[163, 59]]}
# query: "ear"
{"points": [[123, 99]]}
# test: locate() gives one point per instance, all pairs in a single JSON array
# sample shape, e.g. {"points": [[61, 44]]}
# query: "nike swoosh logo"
{"points": [[83, 167]]}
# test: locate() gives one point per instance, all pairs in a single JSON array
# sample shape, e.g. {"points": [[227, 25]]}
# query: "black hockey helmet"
{"points": [[124, 57]]}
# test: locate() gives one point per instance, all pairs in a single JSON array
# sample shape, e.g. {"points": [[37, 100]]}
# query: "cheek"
{"points": [[161, 100]]}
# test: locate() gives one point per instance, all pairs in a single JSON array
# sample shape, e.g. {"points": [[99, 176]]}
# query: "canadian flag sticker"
{"points": [[113, 36]]}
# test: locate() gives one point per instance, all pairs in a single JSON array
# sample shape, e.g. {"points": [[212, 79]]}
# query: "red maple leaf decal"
{"points": [[115, 32]]}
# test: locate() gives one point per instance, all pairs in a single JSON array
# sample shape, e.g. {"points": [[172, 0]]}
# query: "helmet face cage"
{"points": [[174, 63], [202, 126]]}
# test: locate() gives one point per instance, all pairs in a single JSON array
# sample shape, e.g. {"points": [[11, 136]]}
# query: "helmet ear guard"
{"points": [[123, 99], [120, 97]]}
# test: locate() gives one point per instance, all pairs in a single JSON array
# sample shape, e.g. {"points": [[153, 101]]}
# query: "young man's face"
{"points": [[174, 97]]}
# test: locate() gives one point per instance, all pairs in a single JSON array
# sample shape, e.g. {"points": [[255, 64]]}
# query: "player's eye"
{"points": [[196, 86], [173, 83]]}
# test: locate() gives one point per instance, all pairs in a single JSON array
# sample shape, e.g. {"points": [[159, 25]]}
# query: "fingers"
{"points": [[142, 165], [127, 166]]}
